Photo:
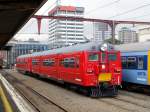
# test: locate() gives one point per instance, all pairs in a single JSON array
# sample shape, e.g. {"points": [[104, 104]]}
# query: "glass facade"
{"points": [[27, 47]]}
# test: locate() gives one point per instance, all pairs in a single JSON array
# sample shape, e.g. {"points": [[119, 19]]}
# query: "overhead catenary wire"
{"points": [[141, 16], [103, 6], [129, 11]]}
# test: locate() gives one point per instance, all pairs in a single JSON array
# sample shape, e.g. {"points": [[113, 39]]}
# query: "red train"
{"points": [[98, 71]]}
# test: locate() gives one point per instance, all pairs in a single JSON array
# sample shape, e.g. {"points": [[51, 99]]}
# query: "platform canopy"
{"points": [[14, 14]]}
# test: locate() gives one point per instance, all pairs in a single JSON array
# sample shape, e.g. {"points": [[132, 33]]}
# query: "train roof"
{"points": [[142, 46], [91, 46]]}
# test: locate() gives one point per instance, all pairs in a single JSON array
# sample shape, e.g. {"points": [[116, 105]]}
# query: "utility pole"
{"points": [[113, 26]]}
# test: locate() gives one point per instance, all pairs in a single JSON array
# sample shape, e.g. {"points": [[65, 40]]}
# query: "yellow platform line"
{"points": [[148, 67], [6, 104]]}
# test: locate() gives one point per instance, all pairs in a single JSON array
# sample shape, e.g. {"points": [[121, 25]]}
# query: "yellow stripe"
{"points": [[5, 102], [148, 67], [104, 77]]}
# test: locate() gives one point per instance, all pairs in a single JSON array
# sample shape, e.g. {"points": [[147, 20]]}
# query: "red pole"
{"points": [[39, 19]]}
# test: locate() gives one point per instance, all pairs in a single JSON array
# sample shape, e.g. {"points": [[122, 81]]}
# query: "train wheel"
{"points": [[95, 92], [110, 91]]}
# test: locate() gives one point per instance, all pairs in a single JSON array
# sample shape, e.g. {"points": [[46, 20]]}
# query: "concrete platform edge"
{"points": [[19, 101]]}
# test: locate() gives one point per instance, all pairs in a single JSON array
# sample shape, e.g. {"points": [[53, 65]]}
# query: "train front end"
{"points": [[107, 72]]}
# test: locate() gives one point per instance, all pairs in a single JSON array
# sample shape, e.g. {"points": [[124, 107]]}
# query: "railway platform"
{"points": [[10, 100]]}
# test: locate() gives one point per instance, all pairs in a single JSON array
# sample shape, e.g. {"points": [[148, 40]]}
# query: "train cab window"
{"points": [[140, 62], [124, 62], [132, 64], [112, 57], [93, 57]]}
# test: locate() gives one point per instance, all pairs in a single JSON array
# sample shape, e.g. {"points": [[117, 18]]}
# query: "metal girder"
{"points": [[112, 23], [90, 19]]}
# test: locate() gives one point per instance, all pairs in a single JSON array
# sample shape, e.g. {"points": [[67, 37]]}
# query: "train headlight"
{"points": [[104, 47], [103, 66]]}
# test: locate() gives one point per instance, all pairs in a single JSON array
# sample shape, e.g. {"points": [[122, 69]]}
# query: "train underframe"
{"points": [[103, 89], [136, 87]]}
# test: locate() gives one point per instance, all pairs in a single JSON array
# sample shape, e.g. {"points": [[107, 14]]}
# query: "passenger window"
{"points": [[48, 62], [69, 63], [124, 62], [140, 62], [66, 62], [35, 62], [72, 63], [93, 57], [132, 64]]}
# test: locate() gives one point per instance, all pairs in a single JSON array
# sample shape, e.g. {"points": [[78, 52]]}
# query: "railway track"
{"points": [[38, 101], [124, 102], [127, 101]]}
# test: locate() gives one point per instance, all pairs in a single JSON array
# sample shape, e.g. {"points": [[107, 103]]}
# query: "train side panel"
{"points": [[36, 64], [135, 67], [49, 66], [71, 67]]}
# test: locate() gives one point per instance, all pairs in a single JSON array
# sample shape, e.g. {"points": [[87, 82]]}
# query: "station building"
{"points": [[25, 47]]}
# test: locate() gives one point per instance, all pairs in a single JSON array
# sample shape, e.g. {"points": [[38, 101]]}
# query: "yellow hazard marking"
{"points": [[5, 101], [148, 68], [104, 77]]}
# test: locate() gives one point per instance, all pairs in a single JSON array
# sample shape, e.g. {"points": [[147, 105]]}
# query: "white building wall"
{"points": [[128, 36], [65, 32]]}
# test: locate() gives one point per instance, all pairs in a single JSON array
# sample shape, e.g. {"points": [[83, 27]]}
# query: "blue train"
{"points": [[135, 63]]}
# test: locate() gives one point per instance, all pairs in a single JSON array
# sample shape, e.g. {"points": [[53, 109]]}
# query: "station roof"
{"points": [[14, 14]]}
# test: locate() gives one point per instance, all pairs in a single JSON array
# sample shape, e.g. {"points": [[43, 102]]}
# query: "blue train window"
{"points": [[131, 62], [140, 62], [124, 62]]}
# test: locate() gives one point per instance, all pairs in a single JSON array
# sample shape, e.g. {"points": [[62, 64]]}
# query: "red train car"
{"points": [[98, 71]]}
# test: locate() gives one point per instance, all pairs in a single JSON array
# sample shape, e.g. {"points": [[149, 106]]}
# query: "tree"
{"points": [[110, 41]]}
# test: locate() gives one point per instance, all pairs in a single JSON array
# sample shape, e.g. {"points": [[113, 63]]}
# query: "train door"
{"points": [[78, 77], [103, 62], [29, 64], [44, 66], [54, 68], [36, 65]]}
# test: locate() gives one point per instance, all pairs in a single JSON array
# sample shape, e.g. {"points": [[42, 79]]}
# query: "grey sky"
{"points": [[138, 10], [108, 8]]}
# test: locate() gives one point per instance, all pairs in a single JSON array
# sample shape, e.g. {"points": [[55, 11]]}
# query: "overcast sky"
{"points": [[137, 10]]}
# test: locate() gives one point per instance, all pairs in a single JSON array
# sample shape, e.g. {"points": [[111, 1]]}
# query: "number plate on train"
{"points": [[104, 77]]}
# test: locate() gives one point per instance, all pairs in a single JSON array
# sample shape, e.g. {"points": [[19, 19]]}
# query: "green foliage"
{"points": [[110, 41]]}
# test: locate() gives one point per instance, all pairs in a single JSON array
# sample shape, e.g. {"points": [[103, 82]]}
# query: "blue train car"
{"points": [[135, 63]]}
